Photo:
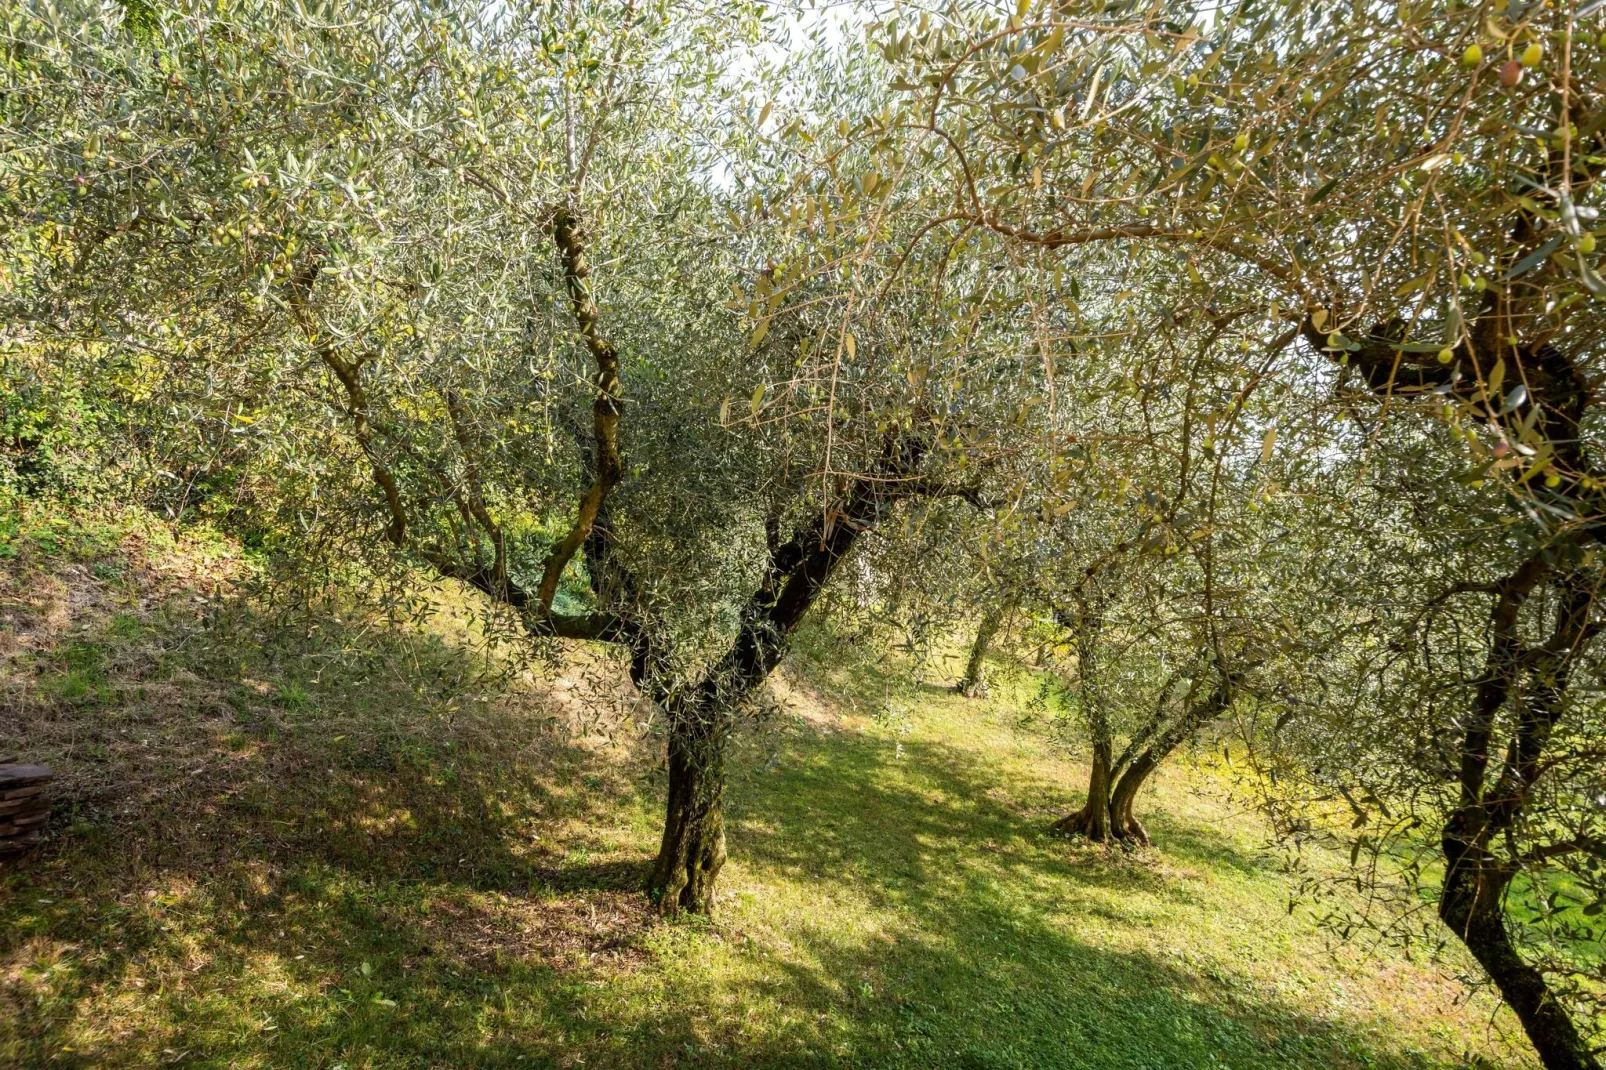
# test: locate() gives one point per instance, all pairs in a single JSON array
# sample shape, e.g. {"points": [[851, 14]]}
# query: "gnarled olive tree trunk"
{"points": [[1526, 681], [1477, 871], [1093, 819], [693, 848], [974, 681], [1113, 787], [1136, 766], [702, 716]]}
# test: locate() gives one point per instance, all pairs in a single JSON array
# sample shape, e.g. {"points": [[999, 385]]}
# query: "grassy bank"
{"points": [[343, 844]]}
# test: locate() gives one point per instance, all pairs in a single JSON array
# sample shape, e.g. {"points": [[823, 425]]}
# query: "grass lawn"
{"points": [[323, 843]]}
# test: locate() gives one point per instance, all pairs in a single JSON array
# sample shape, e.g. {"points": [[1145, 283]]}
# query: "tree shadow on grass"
{"points": [[234, 801], [288, 857]]}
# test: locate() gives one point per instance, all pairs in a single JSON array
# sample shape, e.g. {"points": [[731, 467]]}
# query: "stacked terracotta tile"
{"points": [[24, 806]]}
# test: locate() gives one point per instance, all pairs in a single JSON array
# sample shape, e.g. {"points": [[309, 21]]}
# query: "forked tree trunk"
{"points": [[974, 682], [693, 848], [702, 717], [1113, 787], [1124, 824], [1472, 899]]}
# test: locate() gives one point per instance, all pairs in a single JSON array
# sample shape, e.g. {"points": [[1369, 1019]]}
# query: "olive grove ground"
{"points": [[349, 844]]}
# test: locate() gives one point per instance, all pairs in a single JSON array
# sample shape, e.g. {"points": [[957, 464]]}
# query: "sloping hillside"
{"points": [[345, 844]]}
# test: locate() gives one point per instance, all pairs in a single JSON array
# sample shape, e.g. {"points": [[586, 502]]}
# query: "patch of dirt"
{"points": [[799, 698], [592, 698], [197, 752], [598, 930], [43, 598]]}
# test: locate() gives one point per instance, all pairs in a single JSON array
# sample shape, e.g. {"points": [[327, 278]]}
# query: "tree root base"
{"points": [[1102, 828]]}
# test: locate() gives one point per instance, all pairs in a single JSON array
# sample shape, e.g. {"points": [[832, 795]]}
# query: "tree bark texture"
{"points": [[1113, 787], [693, 848], [702, 716], [1123, 822], [1093, 819], [974, 682], [1477, 876]]}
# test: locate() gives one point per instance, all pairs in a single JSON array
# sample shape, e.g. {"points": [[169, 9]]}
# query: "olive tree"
{"points": [[543, 301], [1407, 186]]}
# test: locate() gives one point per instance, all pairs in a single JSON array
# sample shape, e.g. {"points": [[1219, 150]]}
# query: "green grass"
{"points": [[322, 843]]}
